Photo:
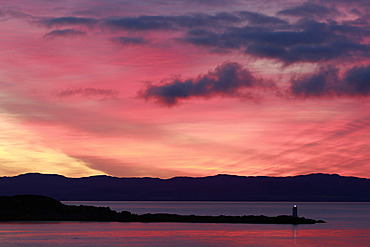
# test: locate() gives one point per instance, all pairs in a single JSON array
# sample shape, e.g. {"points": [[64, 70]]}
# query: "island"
{"points": [[42, 208]]}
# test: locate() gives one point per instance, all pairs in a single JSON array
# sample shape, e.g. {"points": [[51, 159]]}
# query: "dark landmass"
{"points": [[41, 208], [313, 187]]}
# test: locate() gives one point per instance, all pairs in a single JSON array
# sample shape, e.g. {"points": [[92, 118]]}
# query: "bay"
{"points": [[348, 224]]}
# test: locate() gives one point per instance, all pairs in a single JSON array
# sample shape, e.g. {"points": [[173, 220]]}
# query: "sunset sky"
{"points": [[164, 88]]}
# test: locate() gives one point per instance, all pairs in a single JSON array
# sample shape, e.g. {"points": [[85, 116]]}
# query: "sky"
{"points": [[164, 88]]}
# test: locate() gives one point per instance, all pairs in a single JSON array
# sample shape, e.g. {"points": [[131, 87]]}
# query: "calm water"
{"points": [[348, 225]]}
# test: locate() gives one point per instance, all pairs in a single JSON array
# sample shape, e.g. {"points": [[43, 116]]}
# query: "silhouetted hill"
{"points": [[313, 187], [41, 208]]}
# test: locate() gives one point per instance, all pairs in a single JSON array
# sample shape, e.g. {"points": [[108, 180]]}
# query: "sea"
{"points": [[347, 224]]}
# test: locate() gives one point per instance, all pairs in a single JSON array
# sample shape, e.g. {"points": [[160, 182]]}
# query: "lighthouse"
{"points": [[295, 211]]}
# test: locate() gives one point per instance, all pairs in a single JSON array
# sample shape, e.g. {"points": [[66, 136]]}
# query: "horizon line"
{"points": [[220, 174]]}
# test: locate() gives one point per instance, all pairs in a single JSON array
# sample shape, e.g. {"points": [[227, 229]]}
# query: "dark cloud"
{"points": [[306, 41], [129, 40], [309, 53], [309, 10], [146, 22], [68, 21], [316, 85], [216, 21], [327, 82], [361, 21], [231, 80], [226, 80], [260, 19], [252, 33], [89, 92], [64, 33], [141, 23], [357, 81]]}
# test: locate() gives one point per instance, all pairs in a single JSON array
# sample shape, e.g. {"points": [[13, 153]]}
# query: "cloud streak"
{"points": [[68, 21], [87, 92], [64, 33], [309, 10]]}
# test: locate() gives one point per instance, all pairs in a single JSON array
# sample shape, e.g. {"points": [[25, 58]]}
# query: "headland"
{"points": [[42, 208]]}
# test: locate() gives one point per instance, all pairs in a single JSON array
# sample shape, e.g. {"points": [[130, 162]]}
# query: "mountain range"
{"points": [[313, 187]]}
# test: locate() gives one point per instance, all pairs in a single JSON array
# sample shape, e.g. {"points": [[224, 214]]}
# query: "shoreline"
{"points": [[27, 208]]}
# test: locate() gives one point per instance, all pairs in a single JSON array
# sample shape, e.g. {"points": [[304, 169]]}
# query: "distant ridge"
{"points": [[313, 187]]}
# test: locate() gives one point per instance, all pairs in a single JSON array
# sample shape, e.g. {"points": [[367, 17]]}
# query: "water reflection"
{"points": [[295, 230], [175, 234]]}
